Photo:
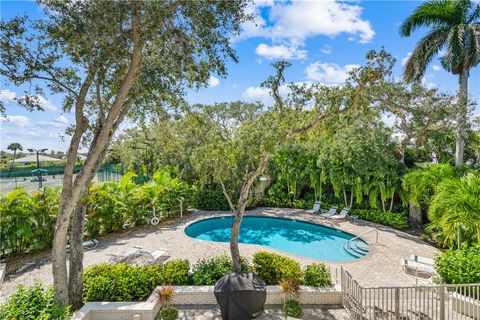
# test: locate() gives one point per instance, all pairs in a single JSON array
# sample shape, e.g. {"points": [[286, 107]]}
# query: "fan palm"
{"points": [[455, 28], [14, 147], [456, 204]]}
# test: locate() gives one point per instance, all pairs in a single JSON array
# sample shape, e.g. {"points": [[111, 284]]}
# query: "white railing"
{"points": [[442, 302]]}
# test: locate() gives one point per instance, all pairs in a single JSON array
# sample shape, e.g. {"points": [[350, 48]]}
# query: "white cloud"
{"points": [[7, 96], [59, 122], [262, 95], [428, 84], [405, 59], [213, 82], [295, 21], [18, 121], [329, 73], [436, 67], [326, 49], [42, 102], [280, 52]]}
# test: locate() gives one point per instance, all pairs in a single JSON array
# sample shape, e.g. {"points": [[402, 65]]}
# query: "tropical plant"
{"points": [[290, 288], [33, 303], [15, 146], [454, 211], [459, 266], [165, 295], [317, 275], [455, 27], [293, 308]]}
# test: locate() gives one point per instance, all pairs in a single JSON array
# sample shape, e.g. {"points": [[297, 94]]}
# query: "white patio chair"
{"points": [[342, 215], [316, 208], [331, 212]]}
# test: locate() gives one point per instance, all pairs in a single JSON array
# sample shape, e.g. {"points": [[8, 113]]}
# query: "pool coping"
{"points": [[266, 214]]}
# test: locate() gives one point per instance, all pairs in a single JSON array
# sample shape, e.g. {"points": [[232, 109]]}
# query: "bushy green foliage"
{"points": [[284, 203], [317, 275], [112, 206], [175, 272], [459, 266], [395, 220], [27, 220], [121, 282], [293, 308], [456, 205], [168, 313], [34, 302], [211, 199], [272, 267], [209, 271]]}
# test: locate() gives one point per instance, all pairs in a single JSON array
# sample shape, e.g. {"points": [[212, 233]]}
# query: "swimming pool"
{"points": [[293, 236]]}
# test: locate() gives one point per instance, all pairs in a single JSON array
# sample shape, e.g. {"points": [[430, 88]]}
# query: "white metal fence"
{"points": [[442, 302]]}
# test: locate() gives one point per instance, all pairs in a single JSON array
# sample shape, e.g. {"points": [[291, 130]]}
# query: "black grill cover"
{"points": [[241, 295]]}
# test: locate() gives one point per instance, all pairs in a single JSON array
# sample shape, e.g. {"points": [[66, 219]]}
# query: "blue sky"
{"points": [[322, 39]]}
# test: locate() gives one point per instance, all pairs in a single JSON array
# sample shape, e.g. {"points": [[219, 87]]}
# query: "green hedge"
{"points": [[317, 275], [273, 267], [211, 199], [121, 282], [459, 266], [395, 220], [209, 271], [32, 303]]}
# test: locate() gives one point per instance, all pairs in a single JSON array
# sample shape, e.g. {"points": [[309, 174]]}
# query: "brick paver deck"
{"points": [[381, 267]]}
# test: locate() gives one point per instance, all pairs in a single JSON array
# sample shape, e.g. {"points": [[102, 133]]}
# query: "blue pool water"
{"points": [[296, 237]]}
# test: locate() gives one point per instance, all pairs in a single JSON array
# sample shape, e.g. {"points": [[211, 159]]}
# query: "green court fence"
{"points": [[106, 172]]}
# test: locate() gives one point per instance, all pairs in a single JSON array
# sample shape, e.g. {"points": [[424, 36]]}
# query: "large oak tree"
{"points": [[111, 59]]}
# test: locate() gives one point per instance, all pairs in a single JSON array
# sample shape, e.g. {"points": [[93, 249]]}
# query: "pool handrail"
{"points": [[358, 237]]}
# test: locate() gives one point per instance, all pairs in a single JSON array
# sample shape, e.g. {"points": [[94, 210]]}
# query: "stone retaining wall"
{"points": [[195, 295]]}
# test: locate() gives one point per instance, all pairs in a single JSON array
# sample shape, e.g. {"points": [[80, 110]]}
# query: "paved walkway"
{"points": [[309, 313], [381, 267]]}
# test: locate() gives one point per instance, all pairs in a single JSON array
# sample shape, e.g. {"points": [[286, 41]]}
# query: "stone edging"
{"points": [[195, 295]]}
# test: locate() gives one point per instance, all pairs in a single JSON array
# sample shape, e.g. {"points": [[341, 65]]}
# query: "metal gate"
{"points": [[443, 302]]}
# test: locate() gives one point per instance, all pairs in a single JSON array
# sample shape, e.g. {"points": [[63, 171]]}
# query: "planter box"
{"points": [[195, 295]]}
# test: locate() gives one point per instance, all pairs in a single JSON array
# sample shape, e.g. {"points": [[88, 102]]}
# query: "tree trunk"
{"points": [[462, 117], [75, 277], [239, 211], [234, 250], [415, 215]]}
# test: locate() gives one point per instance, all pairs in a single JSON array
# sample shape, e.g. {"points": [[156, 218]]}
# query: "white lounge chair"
{"points": [[417, 268], [423, 260], [342, 215], [160, 255], [330, 213], [316, 208]]}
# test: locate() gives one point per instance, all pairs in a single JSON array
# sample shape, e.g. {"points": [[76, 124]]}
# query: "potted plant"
{"points": [[291, 293], [165, 297]]}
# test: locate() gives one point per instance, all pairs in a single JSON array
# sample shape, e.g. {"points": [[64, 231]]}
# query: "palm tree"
{"points": [[456, 206], [455, 27], [14, 147]]}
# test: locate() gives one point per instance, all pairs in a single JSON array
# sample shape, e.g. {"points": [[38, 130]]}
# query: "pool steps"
{"points": [[356, 248]]}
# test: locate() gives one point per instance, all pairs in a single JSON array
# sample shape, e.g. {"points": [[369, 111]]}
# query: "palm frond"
{"points": [[436, 14], [427, 48]]}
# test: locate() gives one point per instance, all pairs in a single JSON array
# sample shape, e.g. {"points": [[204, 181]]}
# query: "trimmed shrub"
{"points": [[33, 302], [459, 266], [293, 308], [120, 282], [168, 313], [394, 220], [209, 271], [272, 267], [317, 275], [175, 272]]}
